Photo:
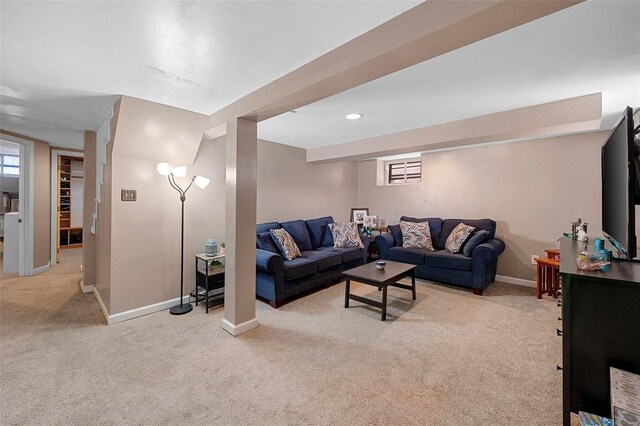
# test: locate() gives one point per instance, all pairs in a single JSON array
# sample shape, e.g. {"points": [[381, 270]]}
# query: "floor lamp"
{"points": [[165, 169]]}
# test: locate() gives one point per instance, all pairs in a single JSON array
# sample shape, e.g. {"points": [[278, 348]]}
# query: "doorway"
{"points": [[20, 222], [9, 206], [67, 201]]}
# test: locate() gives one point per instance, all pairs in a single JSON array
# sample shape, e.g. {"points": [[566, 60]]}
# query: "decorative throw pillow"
{"points": [[285, 243], [265, 242], [457, 237], [345, 235], [474, 241], [416, 235]]}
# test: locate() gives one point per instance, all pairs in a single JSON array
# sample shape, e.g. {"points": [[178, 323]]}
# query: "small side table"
{"points": [[548, 278], [209, 279]]}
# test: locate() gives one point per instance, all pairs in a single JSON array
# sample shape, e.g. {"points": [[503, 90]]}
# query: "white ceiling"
{"points": [[588, 48], [63, 62]]}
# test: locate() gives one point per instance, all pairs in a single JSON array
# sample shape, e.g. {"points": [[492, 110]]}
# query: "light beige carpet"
{"points": [[450, 358]]}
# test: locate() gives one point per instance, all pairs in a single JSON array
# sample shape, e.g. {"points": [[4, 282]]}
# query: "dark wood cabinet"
{"points": [[600, 329]]}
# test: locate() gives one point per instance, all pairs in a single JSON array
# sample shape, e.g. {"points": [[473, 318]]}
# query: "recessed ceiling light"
{"points": [[354, 116]]}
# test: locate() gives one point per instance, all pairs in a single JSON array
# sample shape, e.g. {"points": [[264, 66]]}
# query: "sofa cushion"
{"points": [[346, 235], [444, 259], [477, 238], [266, 227], [285, 243], [317, 229], [298, 268], [416, 235], [407, 255], [298, 230], [265, 242], [324, 259], [458, 236], [327, 240], [449, 224], [348, 254], [435, 228], [397, 234]]}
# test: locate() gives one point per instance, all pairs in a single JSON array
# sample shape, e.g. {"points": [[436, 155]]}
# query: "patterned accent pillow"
{"points": [[416, 235], [345, 235], [285, 243], [457, 237]]}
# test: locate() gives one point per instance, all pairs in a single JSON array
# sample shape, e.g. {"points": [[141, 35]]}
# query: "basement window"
{"points": [[9, 165], [405, 172]]}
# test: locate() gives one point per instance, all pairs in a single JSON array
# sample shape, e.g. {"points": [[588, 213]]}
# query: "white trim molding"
{"points": [[145, 310], [103, 136], [516, 281], [85, 288], [102, 307], [41, 269], [236, 330]]}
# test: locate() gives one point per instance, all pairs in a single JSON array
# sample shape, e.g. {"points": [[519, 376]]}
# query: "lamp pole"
{"points": [[182, 308]]}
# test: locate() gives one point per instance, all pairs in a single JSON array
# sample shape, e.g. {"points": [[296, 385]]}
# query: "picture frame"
{"points": [[358, 214], [371, 221]]}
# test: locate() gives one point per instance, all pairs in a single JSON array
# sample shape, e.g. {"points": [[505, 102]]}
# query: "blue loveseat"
{"points": [[319, 265], [475, 271]]}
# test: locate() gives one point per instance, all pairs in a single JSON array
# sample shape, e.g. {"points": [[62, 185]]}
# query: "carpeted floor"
{"points": [[449, 358]]}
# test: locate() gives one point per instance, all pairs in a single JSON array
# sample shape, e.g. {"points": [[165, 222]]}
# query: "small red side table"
{"points": [[548, 276]]}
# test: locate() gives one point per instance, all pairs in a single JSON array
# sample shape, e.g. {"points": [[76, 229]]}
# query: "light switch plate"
{"points": [[128, 194]]}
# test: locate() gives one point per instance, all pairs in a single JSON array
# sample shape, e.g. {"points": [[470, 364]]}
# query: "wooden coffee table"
{"points": [[369, 274]]}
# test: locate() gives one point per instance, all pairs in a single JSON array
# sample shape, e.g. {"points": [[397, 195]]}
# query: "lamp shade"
{"points": [[180, 171], [164, 169], [201, 181]]}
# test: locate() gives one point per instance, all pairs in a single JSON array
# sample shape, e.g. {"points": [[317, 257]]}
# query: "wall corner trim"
{"points": [[144, 310], [236, 330], [516, 281], [41, 269], [101, 303]]}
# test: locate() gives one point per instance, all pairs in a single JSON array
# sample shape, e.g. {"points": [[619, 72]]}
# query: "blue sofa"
{"points": [[475, 271], [319, 265]]}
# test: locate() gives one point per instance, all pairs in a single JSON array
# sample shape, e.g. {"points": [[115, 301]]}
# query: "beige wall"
{"points": [[290, 188], [145, 235], [145, 262], [532, 189], [41, 200], [89, 239]]}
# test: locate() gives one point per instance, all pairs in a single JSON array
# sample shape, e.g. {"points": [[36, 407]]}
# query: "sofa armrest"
{"points": [[487, 252], [366, 241], [384, 242], [484, 263], [269, 262]]}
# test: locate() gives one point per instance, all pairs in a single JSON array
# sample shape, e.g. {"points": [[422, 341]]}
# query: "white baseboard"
{"points": [[516, 281], [102, 307], [85, 288], [41, 269], [144, 310], [236, 330]]}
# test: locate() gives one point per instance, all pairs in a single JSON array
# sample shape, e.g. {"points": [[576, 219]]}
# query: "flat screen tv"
{"points": [[619, 186]]}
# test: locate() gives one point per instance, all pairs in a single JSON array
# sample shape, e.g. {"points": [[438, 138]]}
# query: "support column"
{"points": [[240, 227]]}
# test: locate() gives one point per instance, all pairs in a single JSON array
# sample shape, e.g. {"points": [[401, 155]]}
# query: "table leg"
{"points": [[346, 293], [538, 281], [413, 283], [206, 286], [196, 281], [384, 303]]}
